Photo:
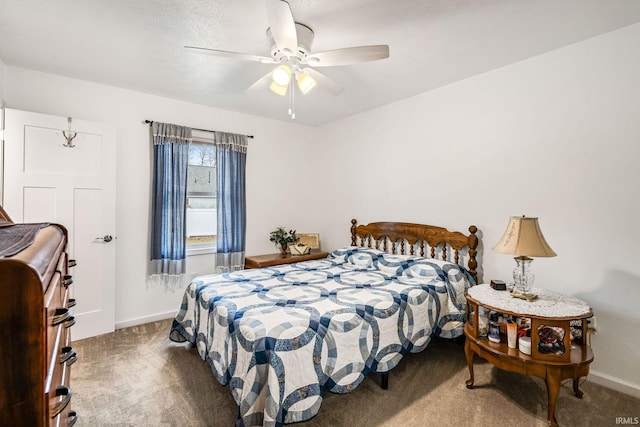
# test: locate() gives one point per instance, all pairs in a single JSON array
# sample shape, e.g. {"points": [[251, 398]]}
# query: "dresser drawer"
{"points": [[57, 317], [68, 417], [60, 392]]}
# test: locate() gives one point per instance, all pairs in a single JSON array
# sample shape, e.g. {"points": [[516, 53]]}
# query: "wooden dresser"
{"points": [[35, 321]]}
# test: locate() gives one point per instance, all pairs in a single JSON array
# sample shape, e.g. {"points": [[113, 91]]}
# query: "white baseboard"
{"points": [[146, 319], [614, 383]]}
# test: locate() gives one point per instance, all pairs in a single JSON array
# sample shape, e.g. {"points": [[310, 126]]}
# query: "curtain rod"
{"points": [[203, 130]]}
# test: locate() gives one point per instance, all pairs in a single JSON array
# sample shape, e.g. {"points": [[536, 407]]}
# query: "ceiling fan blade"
{"points": [[348, 55], [232, 55], [325, 82], [261, 83], [282, 26]]}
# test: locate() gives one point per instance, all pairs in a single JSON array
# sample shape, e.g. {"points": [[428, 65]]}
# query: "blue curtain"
{"points": [[169, 197], [231, 160]]}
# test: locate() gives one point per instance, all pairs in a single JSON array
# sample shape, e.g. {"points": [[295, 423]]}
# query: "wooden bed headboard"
{"points": [[417, 237]]}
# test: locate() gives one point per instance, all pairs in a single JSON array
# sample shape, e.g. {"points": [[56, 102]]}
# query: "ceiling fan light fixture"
{"points": [[290, 44], [278, 89], [281, 75], [305, 82]]}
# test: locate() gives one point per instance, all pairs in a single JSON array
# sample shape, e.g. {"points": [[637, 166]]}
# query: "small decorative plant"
{"points": [[282, 238]]}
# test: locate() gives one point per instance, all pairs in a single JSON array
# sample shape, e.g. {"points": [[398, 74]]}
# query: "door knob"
{"points": [[105, 239]]}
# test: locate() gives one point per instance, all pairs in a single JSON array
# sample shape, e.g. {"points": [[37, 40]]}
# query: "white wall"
{"points": [[3, 82], [556, 136], [274, 154]]}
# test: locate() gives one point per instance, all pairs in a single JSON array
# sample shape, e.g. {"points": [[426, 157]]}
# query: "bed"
{"points": [[281, 336]]}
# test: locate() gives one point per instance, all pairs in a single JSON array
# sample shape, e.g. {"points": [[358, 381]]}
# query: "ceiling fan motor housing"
{"points": [[305, 39]]}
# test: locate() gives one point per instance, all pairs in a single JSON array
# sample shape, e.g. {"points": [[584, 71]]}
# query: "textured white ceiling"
{"points": [[138, 44]]}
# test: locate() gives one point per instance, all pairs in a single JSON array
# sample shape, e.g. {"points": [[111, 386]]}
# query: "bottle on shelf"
{"points": [[494, 328]]}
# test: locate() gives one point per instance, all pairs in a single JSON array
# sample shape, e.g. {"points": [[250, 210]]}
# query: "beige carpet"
{"points": [[138, 377]]}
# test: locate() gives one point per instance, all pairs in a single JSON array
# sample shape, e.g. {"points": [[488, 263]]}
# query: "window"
{"points": [[201, 197]]}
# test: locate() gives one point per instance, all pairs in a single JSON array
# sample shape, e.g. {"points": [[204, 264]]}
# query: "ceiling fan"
{"points": [[291, 48]]}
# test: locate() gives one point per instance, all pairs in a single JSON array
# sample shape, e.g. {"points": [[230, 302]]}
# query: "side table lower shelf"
{"points": [[511, 359]]}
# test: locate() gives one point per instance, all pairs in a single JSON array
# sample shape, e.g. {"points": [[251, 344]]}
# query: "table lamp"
{"points": [[524, 239]]}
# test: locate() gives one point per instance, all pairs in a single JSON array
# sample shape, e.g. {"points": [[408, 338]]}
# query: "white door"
{"points": [[49, 179]]}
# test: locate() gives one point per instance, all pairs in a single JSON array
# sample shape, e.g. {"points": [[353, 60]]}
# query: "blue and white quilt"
{"points": [[280, 336]]}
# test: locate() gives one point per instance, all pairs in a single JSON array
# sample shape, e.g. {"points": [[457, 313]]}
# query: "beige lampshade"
{"points": [[523, 237]]}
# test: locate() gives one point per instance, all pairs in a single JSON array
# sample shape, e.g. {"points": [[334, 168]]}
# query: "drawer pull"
{"points": [[72, 263], [73, 417], [67, 280], [61, 315], [68, 356], [59, 407], [70, 322], [71, 302]]}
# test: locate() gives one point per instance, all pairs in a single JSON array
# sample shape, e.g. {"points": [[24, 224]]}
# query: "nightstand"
{"points": [[555, 354], [259, 261]]}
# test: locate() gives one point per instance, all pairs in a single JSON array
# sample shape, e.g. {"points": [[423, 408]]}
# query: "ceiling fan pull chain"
{"points": [[289, 111], [292, 106]]}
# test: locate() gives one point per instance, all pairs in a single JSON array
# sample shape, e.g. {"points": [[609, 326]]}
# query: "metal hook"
{"points": [[71, 135]]}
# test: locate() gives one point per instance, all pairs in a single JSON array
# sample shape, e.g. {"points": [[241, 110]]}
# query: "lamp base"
{"points": [[528, 297], [523, 276]]}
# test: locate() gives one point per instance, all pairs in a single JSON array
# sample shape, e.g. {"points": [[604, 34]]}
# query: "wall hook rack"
{"points": [[69, 136]]}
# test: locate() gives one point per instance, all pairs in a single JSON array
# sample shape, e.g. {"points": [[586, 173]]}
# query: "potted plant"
{"points": [[282, 238]]}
